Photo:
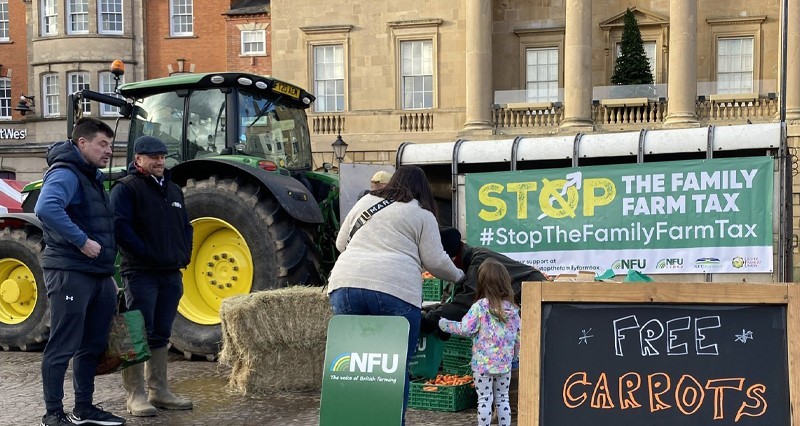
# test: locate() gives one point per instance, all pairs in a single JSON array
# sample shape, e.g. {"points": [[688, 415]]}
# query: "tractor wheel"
{"points": [[24, 309], [244, 241]]}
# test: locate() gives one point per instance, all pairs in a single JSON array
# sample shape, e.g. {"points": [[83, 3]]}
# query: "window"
{"points": [[4, 20], [416, 70], [329, 78], [5, 99], [735, 65], [109, 15], [78, 16], [649, 51], [107, 85], [49, 17], [50, 92], [254, 42], [541, 74], [181, 17], [79, 81]]}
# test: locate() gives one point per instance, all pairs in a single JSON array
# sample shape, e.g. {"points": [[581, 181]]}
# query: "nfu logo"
{"points": [[365, 362], [638, 264], [670, 263]]}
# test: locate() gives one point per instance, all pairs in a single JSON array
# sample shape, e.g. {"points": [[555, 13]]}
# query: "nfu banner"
{"points": [[693, 216]]}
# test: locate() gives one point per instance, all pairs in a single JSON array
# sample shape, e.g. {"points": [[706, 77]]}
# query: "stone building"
{"points": [[387, 72]]}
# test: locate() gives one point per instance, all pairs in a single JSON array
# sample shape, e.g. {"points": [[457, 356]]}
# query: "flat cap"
{"points": [[149, 145]]}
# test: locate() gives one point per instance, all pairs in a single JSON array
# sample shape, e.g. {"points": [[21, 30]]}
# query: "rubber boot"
{"points": [[133, 382], [160, 395]]}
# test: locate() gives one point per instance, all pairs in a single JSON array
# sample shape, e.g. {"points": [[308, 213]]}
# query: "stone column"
{"points": [[793, 63], [682, 84], [479, 65], [578, 66]]}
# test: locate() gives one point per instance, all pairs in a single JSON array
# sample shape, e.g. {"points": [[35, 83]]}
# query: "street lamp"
{"points": [[339, 149], [26, 104]]}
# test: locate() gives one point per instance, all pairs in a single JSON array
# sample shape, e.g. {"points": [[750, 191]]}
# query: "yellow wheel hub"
{"points": [[221, 267], [17, 291]]}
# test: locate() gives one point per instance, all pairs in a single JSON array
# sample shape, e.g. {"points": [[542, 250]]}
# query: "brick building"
{"points": [[13, 80], [50, 48]]}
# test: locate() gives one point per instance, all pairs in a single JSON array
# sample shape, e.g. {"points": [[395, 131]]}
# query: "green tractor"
{"points": [[239, 146]]}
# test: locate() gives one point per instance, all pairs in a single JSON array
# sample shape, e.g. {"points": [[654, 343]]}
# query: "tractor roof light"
{"points": [[117, 68]]}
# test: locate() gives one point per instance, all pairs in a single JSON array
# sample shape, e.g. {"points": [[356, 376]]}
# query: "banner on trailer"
{"points": [[693, 216]]}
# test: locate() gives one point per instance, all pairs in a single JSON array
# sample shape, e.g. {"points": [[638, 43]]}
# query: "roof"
{"points": [[248, 7]]}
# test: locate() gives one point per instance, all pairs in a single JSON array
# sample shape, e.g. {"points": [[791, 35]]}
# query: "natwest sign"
{"points": [[6, 133]]}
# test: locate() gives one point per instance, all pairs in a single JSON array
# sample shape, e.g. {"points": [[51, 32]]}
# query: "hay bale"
{"points": [[275, 340]]}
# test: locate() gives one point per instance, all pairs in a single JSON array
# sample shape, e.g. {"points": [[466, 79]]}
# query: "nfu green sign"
{"points": [[693, 216], [365, 370]]}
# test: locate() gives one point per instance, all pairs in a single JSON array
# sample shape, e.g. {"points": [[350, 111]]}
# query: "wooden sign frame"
{"points": [[535, 294]]}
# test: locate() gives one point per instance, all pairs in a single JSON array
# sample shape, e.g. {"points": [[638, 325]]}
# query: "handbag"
{"points": [[127, 342]]}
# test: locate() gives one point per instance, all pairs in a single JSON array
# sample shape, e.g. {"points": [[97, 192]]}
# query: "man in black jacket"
{"points": [[78, 264], [469, 259], [155, 238]]}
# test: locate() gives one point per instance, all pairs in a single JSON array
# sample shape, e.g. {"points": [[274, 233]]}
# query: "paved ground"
{"points": [[21, 398]]}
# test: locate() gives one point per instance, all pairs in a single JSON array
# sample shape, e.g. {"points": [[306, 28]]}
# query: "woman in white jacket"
{"points": [[386, 241]]}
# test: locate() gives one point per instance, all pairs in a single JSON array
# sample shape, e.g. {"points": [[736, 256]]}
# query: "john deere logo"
{"points": [[354, 362], [637, 264], [737, 262]]}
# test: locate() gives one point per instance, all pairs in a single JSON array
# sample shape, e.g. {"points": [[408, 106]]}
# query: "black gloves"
{"points": [[430, 324]]}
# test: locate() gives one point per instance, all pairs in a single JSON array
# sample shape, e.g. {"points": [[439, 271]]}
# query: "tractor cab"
{"points": [[236, 114]]}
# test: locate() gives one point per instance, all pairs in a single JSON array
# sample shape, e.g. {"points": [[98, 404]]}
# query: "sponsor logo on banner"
{"points": [[707, 262], [670, 263], [739, 262], [638, 264]]}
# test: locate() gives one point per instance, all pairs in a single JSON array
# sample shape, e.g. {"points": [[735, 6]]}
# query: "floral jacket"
{"points": [[494, 344]]}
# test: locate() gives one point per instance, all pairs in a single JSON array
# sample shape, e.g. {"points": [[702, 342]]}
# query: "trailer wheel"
{"points": [[24, 309], [243, 242]]}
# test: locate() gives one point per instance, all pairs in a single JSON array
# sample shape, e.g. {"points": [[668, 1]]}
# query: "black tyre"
{"points": [[24, 309], [243, 242]]}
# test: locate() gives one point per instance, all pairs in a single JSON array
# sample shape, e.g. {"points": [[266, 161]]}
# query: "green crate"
{"points": [[458, 366], [432, 290], [446, 398], [458, 346]]}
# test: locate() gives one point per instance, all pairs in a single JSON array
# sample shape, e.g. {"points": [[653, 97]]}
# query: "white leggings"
{"points": [[493, 388]]}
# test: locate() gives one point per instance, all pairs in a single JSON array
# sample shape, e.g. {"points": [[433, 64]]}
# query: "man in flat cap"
{"points": [[155, 239]]}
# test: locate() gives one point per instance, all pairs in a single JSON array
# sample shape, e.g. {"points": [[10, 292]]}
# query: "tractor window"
{"points": [[206, 127], [160, 116], [274, 131]]}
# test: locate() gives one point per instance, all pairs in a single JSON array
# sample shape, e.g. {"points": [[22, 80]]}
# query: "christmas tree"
{"points": [[632, 65]]}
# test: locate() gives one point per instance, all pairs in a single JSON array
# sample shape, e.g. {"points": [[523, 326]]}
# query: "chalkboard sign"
{"points": [[658, 354]]}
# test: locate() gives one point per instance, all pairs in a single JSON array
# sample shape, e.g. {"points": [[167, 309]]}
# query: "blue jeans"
{"points": [[359, 301]]}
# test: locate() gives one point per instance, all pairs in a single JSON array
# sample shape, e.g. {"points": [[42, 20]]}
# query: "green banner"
{"points": [[365, 371], [666, 217]]}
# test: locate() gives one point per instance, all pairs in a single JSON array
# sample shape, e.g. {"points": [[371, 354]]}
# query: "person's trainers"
{"points": [[57, 419], [95, 415]]}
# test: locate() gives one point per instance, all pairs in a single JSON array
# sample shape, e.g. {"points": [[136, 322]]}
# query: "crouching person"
{"points": [[155, 239]]}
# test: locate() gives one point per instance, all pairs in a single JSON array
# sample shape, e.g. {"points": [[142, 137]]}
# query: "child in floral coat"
{"points": [[493, 323]]}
